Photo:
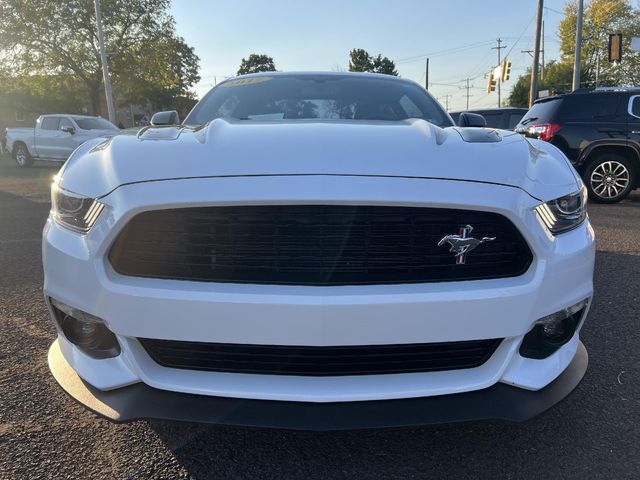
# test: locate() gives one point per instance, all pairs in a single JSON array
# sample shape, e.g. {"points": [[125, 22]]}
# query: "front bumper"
{"points": [[77, 273], [139, 401]]}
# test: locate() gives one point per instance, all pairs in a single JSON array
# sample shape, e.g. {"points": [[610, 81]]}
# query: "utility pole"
{"points": [[498, 80], [105, 67], [533, 92], [578, 53], [426, 75], [467, 95], [446, 102], [542, 54]]}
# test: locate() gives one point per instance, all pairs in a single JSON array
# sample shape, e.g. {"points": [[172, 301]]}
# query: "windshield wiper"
{"points": [[528, 120]]}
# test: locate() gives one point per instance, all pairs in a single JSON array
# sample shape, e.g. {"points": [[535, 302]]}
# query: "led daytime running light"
{"points": [[557, 218]]}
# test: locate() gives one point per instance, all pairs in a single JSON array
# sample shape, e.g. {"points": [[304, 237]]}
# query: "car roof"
{"points": [[606, 90], [499, 110], [590, 91]]}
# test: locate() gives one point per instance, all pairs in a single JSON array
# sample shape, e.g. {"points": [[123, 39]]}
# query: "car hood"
{"points": [[411, 148], [97, 133]]}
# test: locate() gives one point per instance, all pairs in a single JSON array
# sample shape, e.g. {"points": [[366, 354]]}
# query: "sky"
{"points": [[457, 36]]}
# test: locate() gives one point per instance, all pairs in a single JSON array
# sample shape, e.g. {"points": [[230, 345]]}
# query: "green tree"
{"points": [[384, 65], [148, 61], [164, 72], [36, 94], [558, 77], [602, 17], [256, 63], [361, 61]]}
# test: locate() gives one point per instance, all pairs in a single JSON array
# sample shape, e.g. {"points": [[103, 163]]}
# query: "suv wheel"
{"points": [[21, 155], [609, 178]]}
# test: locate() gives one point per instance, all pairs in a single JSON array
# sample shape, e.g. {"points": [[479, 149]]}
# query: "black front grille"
{"points": [[315, 245], [320, 361]]}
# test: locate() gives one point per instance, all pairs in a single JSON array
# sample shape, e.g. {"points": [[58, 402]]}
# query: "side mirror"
{"points": [[68, 129], [467, 119], [165, 118]]}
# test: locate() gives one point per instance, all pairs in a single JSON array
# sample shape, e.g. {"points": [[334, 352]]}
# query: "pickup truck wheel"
{"points": [[609, 178], [21, 155]]}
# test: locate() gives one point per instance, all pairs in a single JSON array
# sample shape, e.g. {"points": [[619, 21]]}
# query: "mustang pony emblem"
{"points": [[462, 244]]}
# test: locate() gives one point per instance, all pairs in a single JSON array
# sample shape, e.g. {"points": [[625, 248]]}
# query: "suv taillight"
{"points": [[544, 131]]}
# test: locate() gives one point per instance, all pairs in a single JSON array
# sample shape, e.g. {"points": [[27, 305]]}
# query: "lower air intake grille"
{"points": [[322, 245], [320, 361]]}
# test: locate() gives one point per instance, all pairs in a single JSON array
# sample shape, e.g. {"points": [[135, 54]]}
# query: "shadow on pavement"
{"points": [[21, 223]]}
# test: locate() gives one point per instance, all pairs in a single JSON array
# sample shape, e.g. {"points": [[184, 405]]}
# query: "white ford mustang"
{"points": [[318, 251]]}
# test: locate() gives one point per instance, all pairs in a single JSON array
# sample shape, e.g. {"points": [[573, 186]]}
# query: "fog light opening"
{"points": [[86, 331], [553, 331]]}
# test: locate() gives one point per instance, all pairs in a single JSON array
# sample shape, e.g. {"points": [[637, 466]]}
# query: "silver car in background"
{"points": [[55, 137]]}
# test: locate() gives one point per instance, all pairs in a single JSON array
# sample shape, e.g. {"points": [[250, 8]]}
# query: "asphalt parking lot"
{"points": [[594, 433]]}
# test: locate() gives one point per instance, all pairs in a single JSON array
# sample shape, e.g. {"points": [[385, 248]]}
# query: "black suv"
{"points": [[599, 131], [505, 118]]}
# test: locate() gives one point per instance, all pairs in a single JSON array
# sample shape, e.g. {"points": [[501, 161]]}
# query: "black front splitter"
{"points": [[139, 401]]}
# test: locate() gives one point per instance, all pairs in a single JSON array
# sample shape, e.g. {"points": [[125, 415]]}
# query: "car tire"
{"points": [[609, 177], [21, 155]]}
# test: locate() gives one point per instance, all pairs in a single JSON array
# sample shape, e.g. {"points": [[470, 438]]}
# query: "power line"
{"points": [[447, 84], [479, 69], [554, 10], [521, 35], [214, 76], [442, 52], [476, 71], [476, 102]]}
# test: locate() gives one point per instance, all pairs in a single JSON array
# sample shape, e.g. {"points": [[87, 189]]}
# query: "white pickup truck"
{"points": [[55, 137]]}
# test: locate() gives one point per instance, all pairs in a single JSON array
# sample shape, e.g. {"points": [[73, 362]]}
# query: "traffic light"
{"points": [[491, 85], [615, 47], [505, 70]]}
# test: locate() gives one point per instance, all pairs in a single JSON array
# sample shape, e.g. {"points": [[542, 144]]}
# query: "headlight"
{"points": [[74, 211], [564, 213]]}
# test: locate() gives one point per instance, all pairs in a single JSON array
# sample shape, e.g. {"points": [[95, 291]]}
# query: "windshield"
{"points": [[540, 112], [326, 97], [88, 123]]}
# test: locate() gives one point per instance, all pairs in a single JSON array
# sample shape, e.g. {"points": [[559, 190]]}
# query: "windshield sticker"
{"points": [[245, 81]]}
